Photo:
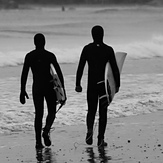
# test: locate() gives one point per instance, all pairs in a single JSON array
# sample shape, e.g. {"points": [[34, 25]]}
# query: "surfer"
{"points": [[96, 54], [39, 61]]}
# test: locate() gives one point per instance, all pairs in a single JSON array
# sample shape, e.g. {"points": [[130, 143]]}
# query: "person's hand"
{"points": [[78, 89], [23, 96]]}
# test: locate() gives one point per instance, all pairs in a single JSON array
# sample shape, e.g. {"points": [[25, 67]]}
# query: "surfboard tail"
{"points": [[57, 86], [120, 58], [110, 86]]}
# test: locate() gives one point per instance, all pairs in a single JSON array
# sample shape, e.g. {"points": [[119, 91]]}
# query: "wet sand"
{"points": [[134, 139]]}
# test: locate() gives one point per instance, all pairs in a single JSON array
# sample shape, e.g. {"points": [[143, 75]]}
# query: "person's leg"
{"points": [[103, 104], [50, 98], [38, 100], [51, 105], [102, 124], [92, 101]]}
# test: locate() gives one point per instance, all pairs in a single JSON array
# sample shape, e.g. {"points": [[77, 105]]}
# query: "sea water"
{"points": [[136, 30]]}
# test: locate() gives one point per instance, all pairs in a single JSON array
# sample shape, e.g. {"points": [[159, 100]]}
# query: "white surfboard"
{"points": [[60, 94], [110, 86]]}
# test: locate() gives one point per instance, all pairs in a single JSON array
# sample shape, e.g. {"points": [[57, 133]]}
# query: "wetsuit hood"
{"points": [[39, 41], [97, 34]]}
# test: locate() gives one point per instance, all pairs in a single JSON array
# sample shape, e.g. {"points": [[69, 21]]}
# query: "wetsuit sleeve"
{"points": [[81, 66], [24, 74], [58, 70], [115, 69]]}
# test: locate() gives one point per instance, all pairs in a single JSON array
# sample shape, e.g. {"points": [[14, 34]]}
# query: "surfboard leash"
{"points": [[59, 108], [76, 144]]}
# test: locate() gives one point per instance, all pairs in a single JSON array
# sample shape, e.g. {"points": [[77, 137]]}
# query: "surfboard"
{"points": [[57, 86], [110, 85]]}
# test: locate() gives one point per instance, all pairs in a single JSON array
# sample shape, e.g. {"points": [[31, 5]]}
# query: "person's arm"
{"points": [[58, 70], [80, 70], [115, 70], [24, 76]]}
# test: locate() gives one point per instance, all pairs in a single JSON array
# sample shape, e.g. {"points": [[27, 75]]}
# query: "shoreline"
{"points": [[131, 66]]}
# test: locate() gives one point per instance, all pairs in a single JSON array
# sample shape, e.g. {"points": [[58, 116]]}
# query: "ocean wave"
{"points": [[136, 50], [145, 49], [11, 59], [128, 8]]}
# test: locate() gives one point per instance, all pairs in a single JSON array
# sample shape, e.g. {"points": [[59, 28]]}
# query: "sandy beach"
{"points": [[134, 139], [131, 139]]}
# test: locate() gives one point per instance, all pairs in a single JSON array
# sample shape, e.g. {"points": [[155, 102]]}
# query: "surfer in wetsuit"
{"points": [[39, 61], [96, 54]]}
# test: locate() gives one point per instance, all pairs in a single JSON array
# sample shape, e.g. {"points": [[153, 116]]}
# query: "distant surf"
{"points": [[136, 30], [137, 50]]}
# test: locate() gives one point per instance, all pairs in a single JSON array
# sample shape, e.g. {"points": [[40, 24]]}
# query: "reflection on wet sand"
{"points": [[102, 155], [45, 155]]}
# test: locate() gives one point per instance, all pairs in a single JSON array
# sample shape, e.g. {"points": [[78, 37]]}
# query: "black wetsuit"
{"points": [[96, 55], [39, 61]]}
